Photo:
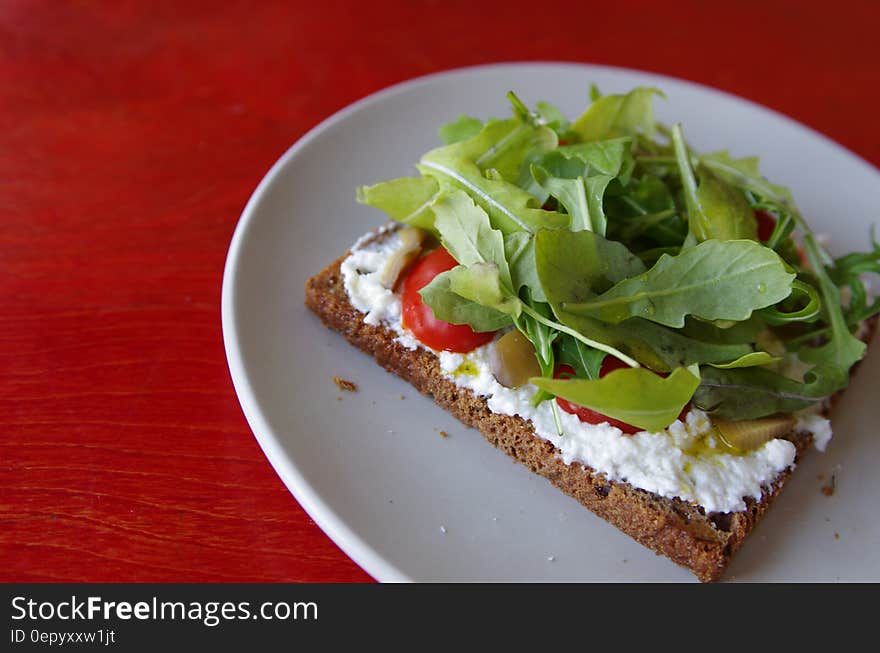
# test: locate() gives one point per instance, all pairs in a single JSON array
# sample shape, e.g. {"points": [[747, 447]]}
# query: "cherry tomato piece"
{"points": [[766, 224], [419, 318]]}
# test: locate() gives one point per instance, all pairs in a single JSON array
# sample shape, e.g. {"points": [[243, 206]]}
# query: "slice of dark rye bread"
{"points": [[703, 543]]}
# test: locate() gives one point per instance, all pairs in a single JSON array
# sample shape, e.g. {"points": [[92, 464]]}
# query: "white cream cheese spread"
{"points": [[685, 460]]}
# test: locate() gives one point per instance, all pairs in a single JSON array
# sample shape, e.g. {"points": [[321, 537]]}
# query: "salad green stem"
{"points": [[806, 338], [808, 313], [656, 158], [830, 292], [688, 182], [575, 334], [783, 229], [522, 111], [555, 410]]}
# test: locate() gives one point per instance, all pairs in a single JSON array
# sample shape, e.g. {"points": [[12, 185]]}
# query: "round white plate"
{"points": [[372, 469]]}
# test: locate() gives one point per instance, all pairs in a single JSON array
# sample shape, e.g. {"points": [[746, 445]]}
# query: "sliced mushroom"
{"points": [[512, 360], [752, 433], [411, 240]]}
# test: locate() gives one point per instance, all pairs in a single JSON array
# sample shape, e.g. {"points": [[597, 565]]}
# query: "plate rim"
{"points": [[330, 523]]}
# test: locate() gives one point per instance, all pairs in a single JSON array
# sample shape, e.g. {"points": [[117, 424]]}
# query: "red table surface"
{"points": [[132, 136]]}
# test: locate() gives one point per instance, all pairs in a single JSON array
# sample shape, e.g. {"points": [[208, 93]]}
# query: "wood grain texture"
{"points": [[132, 136]]}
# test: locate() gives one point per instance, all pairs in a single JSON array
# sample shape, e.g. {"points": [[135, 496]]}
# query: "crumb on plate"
{"points": [[344, 384], [828, 490]]}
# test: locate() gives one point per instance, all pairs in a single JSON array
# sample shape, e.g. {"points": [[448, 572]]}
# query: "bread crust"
{"points": [[684, 533]]}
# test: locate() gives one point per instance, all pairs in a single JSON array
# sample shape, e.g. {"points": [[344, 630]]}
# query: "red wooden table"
{"points": [[132, 134]]}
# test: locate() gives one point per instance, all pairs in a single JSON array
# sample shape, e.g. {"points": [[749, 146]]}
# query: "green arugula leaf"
{"points": [[743, 173], [744, 332], [636, 396], [595, 220], [832, 362], [688, 183], [725, 212], [618, 115], [542, 336], [650, 194], [752, 392], [550, 115], [657, 347], [611, 157], [484, 275], [574, 267], [715, 280], [582, 198], [578, 295], [480, 290], [407, 199], [460, 129], [646, 210], [488, 167], [753, 359], [468, 235], [455, 309], [662, 227], [519, 248], [585, 361], [834, 359], [578, 175], [847, 271], [651, 256], [716, 209], [482, 283], [507, 146], [856, 263]]}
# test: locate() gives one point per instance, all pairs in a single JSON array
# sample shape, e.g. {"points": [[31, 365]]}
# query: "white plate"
{"points": [[372, 469]]}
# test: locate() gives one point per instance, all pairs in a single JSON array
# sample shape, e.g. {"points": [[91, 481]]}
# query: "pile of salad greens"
{"points": [[610, 236]]}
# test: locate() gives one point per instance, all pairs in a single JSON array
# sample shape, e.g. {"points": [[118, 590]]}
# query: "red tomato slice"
{"points": [[766, 224], [584, 414], [419, 318]]}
